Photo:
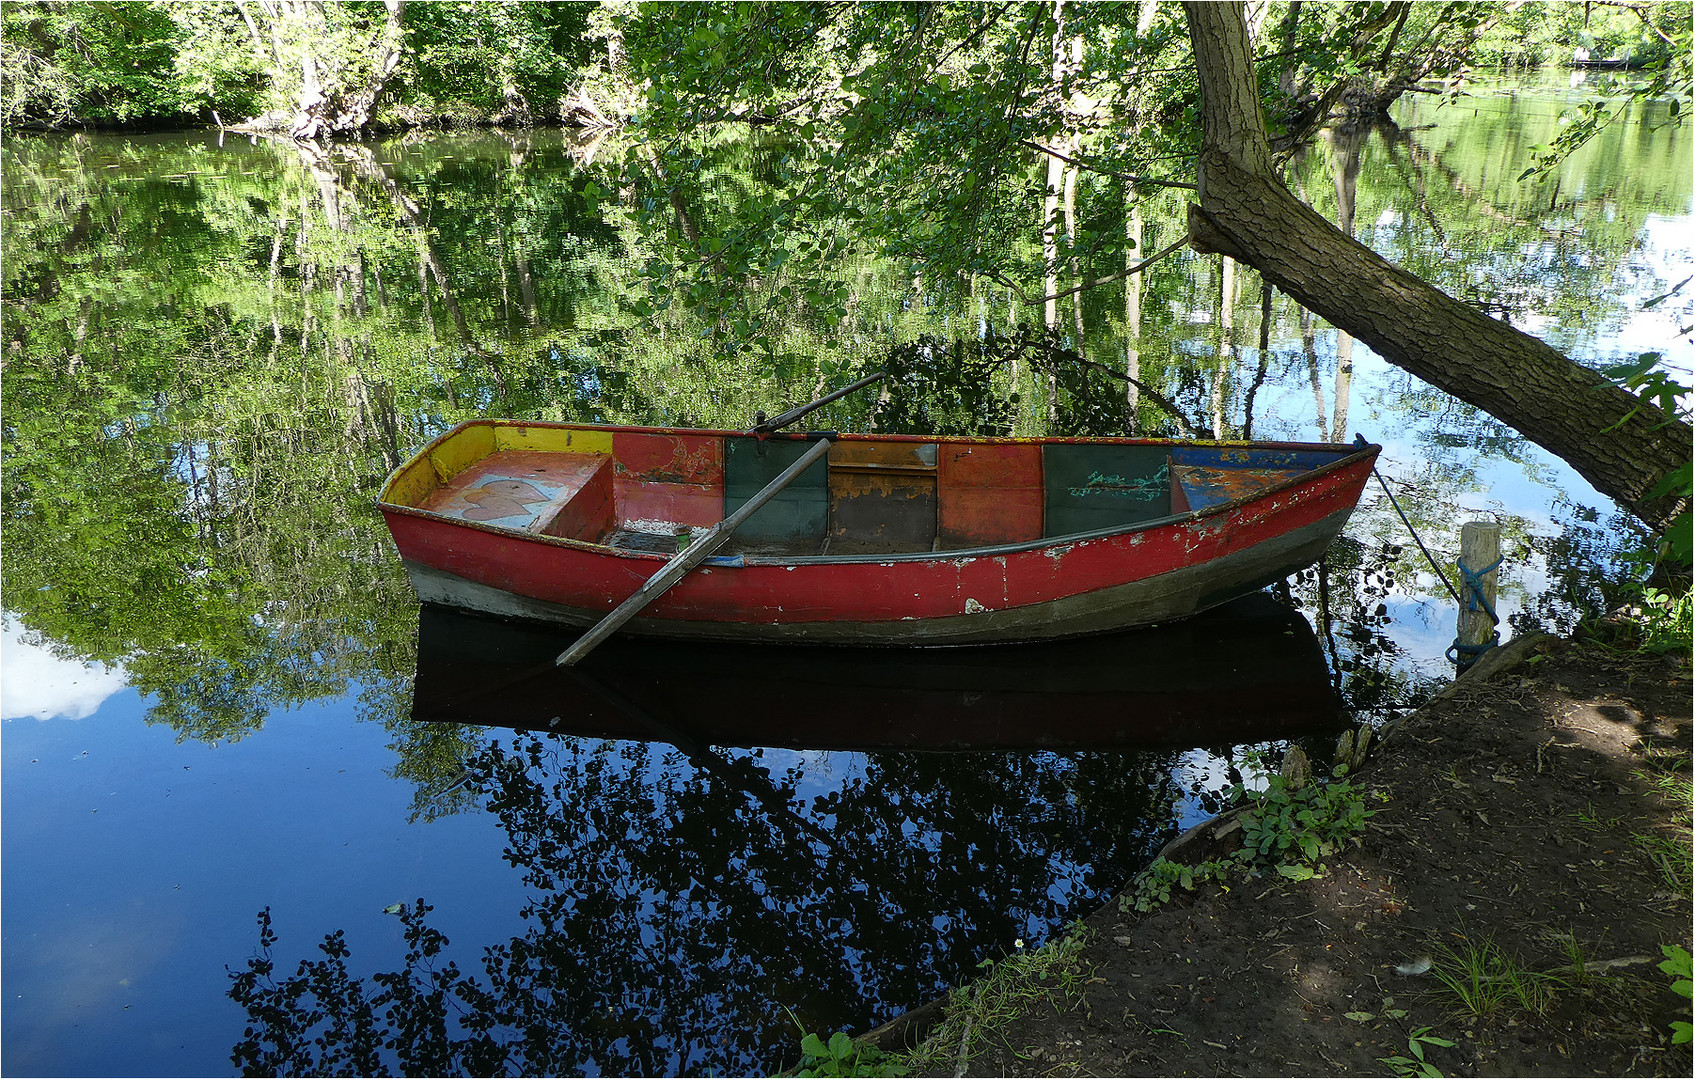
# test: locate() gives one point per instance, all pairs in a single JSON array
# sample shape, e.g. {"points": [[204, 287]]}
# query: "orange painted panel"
{"points": [[907, 455], [665, 458], [666, 478], [988, 493]]}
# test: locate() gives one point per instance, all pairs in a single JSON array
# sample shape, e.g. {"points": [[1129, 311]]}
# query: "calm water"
{"points": [[215, 351]]}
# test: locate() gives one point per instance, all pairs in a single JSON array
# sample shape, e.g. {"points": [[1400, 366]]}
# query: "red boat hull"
{"points": [[1090, 582]]}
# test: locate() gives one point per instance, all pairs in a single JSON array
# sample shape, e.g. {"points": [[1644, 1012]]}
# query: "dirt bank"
{"points": [[1534, 810]]}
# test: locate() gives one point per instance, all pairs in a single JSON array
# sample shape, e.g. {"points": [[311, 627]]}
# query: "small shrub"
{"points": [[1285, 829], [841, 1056]]}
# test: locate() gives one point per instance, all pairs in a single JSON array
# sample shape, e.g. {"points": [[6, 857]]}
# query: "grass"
{"points": [[1666, 770], [1002, 993], [1483, 980]]}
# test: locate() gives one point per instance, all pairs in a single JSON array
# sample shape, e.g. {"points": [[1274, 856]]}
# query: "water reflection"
{"points": [[1249, 671], [690, 902]]}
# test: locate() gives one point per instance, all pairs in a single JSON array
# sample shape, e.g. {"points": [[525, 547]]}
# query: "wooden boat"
{"points": [[883, 540], [1247, 671]]}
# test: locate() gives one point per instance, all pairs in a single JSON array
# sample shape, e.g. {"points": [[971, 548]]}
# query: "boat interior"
{"points": [[652, 489]]}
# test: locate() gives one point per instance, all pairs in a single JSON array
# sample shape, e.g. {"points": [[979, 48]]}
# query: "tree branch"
{"points": [[1636, 9], [1027, 302], [1069, 160]]}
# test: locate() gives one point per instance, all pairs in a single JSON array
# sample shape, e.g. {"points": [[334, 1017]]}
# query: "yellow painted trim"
{"points": [[412, 485], [453, 456], [552, 439]]}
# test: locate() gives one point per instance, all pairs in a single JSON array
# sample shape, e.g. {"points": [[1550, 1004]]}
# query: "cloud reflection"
{"points": [[35, 682]]}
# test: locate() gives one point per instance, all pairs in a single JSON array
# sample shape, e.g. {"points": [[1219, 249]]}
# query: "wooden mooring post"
{"points": [[1480, 561]]}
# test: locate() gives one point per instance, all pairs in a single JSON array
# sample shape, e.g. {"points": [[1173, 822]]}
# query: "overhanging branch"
{"points": [[1104, 171]]}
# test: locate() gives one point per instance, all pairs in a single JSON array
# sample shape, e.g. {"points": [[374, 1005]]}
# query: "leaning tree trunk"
{"points": [[1611, 437], [326, 111]]}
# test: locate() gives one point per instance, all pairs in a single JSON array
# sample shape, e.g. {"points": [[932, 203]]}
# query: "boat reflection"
{"points": [[1249, 671]]}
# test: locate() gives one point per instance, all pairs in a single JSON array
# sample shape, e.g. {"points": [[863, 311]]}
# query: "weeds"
{"points": [[1482, 980], [1666, 771], [1005, 988], [1413, 1062], [1285, 829]]}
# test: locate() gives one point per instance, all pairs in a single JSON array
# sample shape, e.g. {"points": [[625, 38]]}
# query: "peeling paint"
{"points": [[972, 607]]}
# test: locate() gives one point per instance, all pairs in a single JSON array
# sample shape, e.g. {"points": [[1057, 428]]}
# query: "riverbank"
{"points": [[1508, 900]]}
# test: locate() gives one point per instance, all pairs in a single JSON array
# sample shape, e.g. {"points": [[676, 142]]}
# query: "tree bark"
{"points": [[344, 109], [1620, 444]]}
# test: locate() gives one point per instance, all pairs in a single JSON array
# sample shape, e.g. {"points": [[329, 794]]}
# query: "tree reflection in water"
{"points": [[690, 903], [678, 912]]}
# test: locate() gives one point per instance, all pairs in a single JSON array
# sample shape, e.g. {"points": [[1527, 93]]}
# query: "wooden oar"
{"points": [[692, 556], [784, 419]]}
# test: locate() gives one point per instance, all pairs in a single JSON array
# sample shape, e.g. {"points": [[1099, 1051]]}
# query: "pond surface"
{"points": [[215, 350]]}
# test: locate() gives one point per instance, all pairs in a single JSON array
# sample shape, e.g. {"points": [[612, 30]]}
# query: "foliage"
{"points": [[842, 1056], [1285, 830], [1663, 394], [82, 61], [939, 387], [176, 62], [484, 61], [1657, 38], [1413, 1062], [1677, 965]]}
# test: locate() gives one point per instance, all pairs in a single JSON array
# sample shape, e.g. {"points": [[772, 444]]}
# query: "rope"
{"points": [[1431, 559], [1475, 601], [1473, 579]]}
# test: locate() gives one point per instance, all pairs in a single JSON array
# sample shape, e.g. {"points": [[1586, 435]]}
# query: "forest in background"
{"points": [[925, 134], [68, 63]]}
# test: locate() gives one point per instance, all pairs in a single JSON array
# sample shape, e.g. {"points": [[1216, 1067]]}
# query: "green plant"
{"points": [[1482, 980], [1668, 622], [1677, 965], [1293, 828], [1658, 390], [1005, 988], [1153, 885], [1413, 1062], [1284, 828], [841, 1056]]}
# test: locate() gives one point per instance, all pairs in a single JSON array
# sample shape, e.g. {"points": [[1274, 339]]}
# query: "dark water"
{"points": [[214, 353]]}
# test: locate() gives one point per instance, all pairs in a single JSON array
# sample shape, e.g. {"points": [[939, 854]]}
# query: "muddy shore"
{"points": [[1532, 820]]}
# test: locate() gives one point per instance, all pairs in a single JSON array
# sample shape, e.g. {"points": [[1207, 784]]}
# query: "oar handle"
{"points": [[784, 419]]}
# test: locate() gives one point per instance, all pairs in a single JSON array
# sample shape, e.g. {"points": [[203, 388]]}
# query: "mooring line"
{"points": [[1414, 534]]}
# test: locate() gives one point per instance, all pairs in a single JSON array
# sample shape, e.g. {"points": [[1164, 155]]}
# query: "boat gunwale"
{"points": [[1360, 453]]}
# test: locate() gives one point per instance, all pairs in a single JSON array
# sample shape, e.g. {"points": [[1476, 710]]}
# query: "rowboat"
{"points": [[1245, 672], [857, 539]]}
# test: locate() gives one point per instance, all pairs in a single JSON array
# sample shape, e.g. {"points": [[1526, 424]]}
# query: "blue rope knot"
{"points": [[1474, 578], [1474, 601]]}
